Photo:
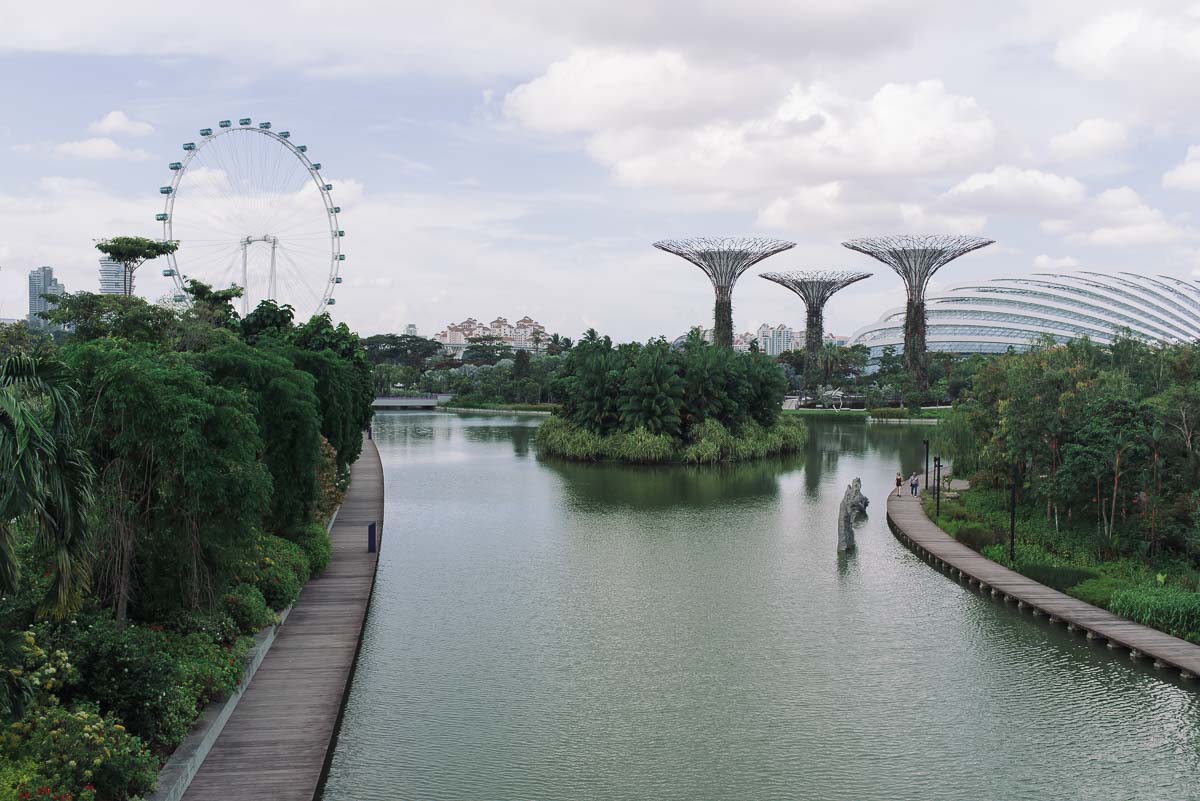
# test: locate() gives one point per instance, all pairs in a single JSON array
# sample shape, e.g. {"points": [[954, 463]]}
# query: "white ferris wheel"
{"points": [[250, 208]]}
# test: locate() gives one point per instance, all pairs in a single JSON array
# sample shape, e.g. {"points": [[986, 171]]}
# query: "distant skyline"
{"points": [[527, 154]]}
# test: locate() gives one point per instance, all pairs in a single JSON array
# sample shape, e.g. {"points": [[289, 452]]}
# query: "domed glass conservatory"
{"points": [[1005, 313]]}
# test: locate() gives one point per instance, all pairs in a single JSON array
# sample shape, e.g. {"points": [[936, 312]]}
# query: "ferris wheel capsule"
{"points": [[285, 134], [206, 131], [266, 126], [224, 124], [244, 121], [316, 165]]}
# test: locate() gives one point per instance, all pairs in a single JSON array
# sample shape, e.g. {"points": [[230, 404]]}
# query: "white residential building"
{"points": [[525, 334], [410, 330], [774, 340], [112, 277]]}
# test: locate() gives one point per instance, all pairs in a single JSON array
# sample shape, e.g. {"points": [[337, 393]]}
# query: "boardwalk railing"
{"points": [[913, 527]]}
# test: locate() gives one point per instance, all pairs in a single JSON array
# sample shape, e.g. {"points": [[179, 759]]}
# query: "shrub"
{"points": [[313, 539], [84, 753], [711, 443], [16, 774], [246, 605], [1059, 577], [208, 669], [283, 569], [639, 446], [1098, 591], [1168, 609], [976, 536], [218, 626], [130, 672]]}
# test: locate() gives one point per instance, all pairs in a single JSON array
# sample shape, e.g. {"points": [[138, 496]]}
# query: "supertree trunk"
{"points": [[723, 322], [814, 333], [915, 357]]}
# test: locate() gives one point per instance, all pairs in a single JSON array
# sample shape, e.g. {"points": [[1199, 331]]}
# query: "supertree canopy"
{"points": [[724, 259], [915, 259], [815, 288]]}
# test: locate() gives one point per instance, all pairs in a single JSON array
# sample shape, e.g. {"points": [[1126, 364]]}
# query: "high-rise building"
{"points": [[112, 277], [774, 340], [41, 282], [410, 330]]}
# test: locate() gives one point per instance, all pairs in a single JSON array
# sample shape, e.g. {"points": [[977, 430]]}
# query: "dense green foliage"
{"points": [[651, 403], [169, 473], [1106, 457]]}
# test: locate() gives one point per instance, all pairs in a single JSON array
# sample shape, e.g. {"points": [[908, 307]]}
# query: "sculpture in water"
{"points": [[853, 503]]}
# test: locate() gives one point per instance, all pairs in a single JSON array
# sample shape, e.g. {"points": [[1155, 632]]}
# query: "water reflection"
{"points": [[551, 631]]}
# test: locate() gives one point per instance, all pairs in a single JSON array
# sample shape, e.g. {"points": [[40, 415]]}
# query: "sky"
{"points": [[521, 157]]}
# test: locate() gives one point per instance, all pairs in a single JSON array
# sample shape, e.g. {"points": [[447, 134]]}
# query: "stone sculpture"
{"points": [[853, 503]]}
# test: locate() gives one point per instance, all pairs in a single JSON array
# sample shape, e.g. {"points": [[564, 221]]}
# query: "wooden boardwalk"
{"points": [[275, 744], [913, 527]]}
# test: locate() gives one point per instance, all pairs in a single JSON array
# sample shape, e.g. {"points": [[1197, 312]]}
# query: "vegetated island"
{"points": [[651, 404]]}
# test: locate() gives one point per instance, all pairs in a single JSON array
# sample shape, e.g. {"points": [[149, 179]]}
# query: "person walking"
{"points": [[899, 481], [914, 484]]}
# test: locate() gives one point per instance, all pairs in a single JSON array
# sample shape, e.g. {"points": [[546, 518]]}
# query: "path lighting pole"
{"points": [[937, 493], [926, 462], [1012, 517]]}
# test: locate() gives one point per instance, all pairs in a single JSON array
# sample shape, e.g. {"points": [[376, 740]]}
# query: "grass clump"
{"points": [[709, 443]]}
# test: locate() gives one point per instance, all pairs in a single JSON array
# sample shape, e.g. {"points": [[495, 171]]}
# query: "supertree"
{"points": [[724, 259], [915, 259], [815, 288]]}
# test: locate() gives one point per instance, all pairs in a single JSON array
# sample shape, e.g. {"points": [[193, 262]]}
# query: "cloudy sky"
{"points": [[519, 157]]}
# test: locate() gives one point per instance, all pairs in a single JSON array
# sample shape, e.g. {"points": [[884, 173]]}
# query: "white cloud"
{"points": [[1187, 174], [594, 90], [813, 133], [100, 149], [1152, 52], [1045, 262], [1015, 190], [835, 208], [1091, 139], [117, 123], [1118, 217]]}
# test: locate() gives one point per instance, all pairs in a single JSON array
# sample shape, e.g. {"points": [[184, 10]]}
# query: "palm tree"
{"points": [[48, 480]]}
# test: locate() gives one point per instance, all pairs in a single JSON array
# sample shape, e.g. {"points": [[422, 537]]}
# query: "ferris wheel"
{"points": [[250, 208]]}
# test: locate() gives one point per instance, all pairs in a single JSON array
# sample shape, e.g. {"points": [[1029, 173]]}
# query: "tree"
{"points": [[132, 252], [287, 415], [593, 385], [486, 350], [558, 345], [47, 478], [267, 320], [521, 364], [90, 316], [652, 393], [181, 490], [214, 307]]}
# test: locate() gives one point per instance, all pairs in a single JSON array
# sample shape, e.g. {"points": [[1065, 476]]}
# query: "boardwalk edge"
{"points": [[940, 550]]}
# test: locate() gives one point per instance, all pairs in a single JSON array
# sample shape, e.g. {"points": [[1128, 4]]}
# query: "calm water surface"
{"points": [[555, 631]]}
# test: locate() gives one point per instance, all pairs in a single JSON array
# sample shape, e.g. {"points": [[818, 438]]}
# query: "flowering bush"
{"points": [[132, 672], [282, 571], [80, 755], [248, 608], [314, 540], [208, 669]]}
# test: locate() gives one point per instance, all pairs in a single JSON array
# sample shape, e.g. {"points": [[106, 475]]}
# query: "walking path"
{"points": [[275, 744], [913, 527]]}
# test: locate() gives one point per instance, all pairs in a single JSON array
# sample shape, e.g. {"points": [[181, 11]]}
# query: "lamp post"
{"points": [[937, 494], [1012, 517], [926, 443]]}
